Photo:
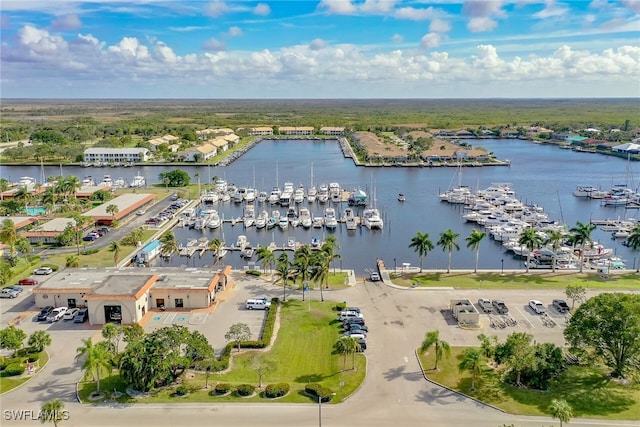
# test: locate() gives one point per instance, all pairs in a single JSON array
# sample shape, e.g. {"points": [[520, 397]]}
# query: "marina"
{"points": [[539, 175]]}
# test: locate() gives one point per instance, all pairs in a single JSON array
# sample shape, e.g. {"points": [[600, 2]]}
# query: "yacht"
{"points": [[335, 193], [372, 220], [262, 219], [106, 181], [210, 197], [288, 187], [220, 185], [214, 220], [315, 242], [274, 197], [249, 216], [285, 198], [312, 194], [283, 222], [350, 219], [262, 197], [298, 195], [88, 181], [250, 195], [225, 197], [138, 181], [330, 221], [238, 196], [323, 194], [305, 218], [317, 222], [119, 183]]}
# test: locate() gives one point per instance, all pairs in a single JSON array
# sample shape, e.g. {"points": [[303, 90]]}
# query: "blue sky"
{"points": [[320, 49]]}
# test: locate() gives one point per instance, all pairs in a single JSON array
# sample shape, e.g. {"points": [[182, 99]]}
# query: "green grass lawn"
{"points": [[547, 280], [9, 383], [588, 390], [303, 352]]}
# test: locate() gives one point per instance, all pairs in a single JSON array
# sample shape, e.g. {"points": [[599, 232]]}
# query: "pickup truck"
{"points": [[500, 306], [561, 305]]}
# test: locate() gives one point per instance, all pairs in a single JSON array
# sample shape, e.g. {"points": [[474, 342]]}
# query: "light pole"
{"points": [[206, 378], [395, 265], [502, 267], [320, 397]]}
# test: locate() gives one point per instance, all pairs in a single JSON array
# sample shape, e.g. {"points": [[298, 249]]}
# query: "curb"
{"points": [[33, 376], [455, 391]]}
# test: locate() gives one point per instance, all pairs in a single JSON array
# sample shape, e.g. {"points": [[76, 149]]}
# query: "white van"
{"points": [[258, 304], [344, 315]]}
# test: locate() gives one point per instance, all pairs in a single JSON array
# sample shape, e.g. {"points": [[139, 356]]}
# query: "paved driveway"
{"points": [[394, 392]]}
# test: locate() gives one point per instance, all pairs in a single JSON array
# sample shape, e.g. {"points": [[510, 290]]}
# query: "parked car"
{"points": [[104, 229], [348, 315], [70, 314], [8, 293], [18, 289], [91, 237], [356, 327], [561, 305], [141, 212], [28, 281], [499, 306], [374, 277], [42, 316], [358, 320], [356, 309], [81, 316], [485, 305], [56, 314], [363, 345], [356, 335], [537, 306], [43, 271]]}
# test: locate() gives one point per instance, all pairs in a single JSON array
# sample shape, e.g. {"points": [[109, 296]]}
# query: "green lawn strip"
{"points": [[547, 280], [9, 383], [588, 390], [303, 352]]}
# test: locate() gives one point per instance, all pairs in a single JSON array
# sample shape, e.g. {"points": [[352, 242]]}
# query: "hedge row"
{"points": [[13, 370], [317, 390], [253, 273], [267, 335], [276, 390]]}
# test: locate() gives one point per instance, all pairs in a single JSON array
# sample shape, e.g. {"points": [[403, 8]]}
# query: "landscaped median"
{"points": [[495, 280], [302, 354], [588, 389], [14, 371]]}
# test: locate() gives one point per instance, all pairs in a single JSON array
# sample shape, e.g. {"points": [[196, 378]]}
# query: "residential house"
{"points": [[328, 130], [166, 139], [261, 131], [296, 130], [629, 148], [116, 155]]}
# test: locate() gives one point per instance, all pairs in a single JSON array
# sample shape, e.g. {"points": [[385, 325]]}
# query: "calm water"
{"points": [[539, 174]]}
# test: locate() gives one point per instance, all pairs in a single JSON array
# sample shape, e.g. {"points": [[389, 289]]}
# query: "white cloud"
{"points": [[164, 53], [481, 24], [130, 48], [430, 40], [262, 9], [234, 32], [552, 9], [66, 22], [317, 44], [633, 5], [414, 14], [376, 7], [439, 26], [338, 7], [397, 38], [213, 45], [216, 8]]}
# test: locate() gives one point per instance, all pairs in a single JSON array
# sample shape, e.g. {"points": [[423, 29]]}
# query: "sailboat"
{"points": [[312, 193], [459, 194]]}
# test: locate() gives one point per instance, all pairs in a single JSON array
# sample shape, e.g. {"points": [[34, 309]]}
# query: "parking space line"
{"points": [[525, 318], [169, 318]]}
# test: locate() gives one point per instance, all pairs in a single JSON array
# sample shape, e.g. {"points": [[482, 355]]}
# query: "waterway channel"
{"points": [[540, 174]]}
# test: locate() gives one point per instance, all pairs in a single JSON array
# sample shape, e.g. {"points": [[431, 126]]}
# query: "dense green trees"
{"points": [[609, 326], [96, 357], [39, 340], [175, 178], [12, 338]]}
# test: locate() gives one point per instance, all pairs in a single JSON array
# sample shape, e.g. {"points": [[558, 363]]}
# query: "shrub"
{"points": [[182, 390], [13, 370], [90, 251], [223, 388], [270, 322], [276, 390], [340, 306], [315, 390], [52, 266], [252, 344], [245, 389], [253, 273], [33, 358]]}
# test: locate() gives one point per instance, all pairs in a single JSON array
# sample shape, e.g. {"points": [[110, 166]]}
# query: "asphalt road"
{"points": [[394, 392]]}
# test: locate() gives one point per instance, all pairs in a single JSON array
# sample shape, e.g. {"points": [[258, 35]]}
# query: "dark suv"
{"points": [[561, 305], [500, 306], [42, 316]]}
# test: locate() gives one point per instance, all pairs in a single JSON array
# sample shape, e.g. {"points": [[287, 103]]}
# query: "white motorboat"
{"points": [[283, 222], [315, 242], [138, 181], [214, 220], [288, 187], [250, 195], [335, 193], [262, 219], [291, 242], [262, 197], [242, 242], [372, 220], [285, 198], [317, 222], [249, 216], [305, 218], [298, 195], [247, 252], [106, 181], [119, 183], [238, 196], [220, 185], [225, 197], [323, 194], [350, 219], [274, 197], [330, 220], [221, 253], [584, 191], [88, 181], [210, 197], [312, 195]]}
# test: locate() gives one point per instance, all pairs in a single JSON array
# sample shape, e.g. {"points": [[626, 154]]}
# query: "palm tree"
{"points": [[70, 184], [531, 240], [555, 239], [9, 236], [472, 360], [330, 246], [432, 339], [283, 269], [169, 245], [96, 357], [50, 197], [346, 346], [473, 242], [39, 340], [77, 227], [422, 245], [633, 241], [112, 210], [320, 264], [114, 247], [448, 243], [52, 411], [302, 258], [561, 410], [215, 245], [581, 235], [266, 256], [72, 261]]}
